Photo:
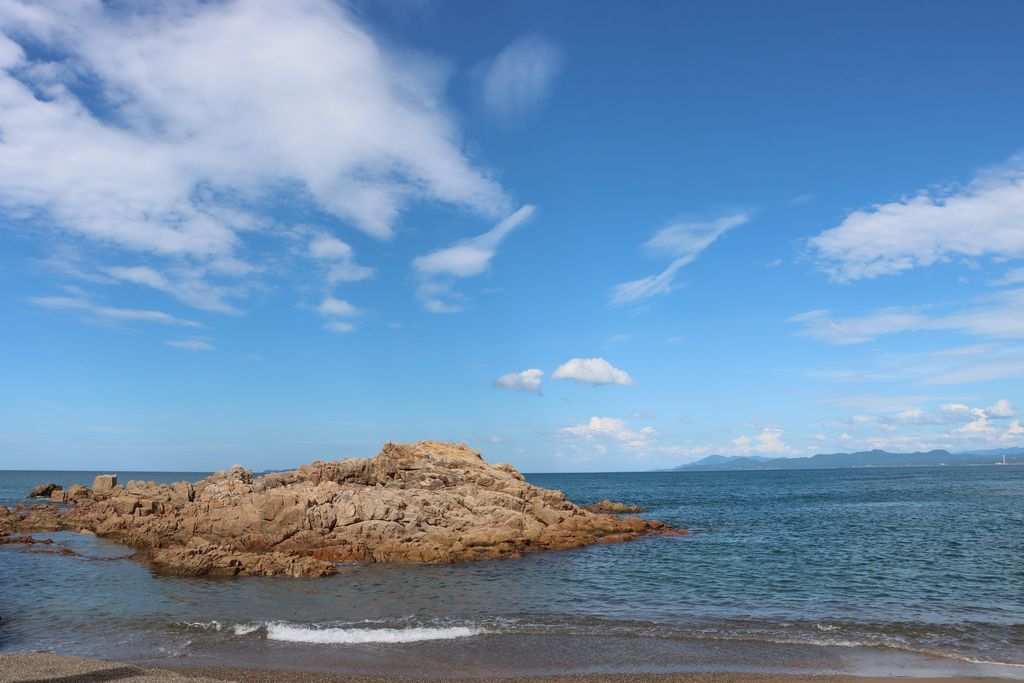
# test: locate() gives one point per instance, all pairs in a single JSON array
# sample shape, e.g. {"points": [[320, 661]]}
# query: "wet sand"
{"points": [[31, 667]]}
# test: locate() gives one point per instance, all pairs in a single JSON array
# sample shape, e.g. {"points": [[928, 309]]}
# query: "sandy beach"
{"points": [[30, 667]]}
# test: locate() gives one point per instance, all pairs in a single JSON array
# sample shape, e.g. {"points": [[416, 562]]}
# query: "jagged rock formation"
{"points": [[423, 502]]}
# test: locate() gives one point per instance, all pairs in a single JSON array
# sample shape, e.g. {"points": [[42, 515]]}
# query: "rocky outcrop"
{"points": [[71, 494], [422, 502], [104, 483], [614, 508], [44, 490]]}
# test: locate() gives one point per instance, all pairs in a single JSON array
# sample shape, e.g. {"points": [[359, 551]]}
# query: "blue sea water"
{"points": [[863, 571]]}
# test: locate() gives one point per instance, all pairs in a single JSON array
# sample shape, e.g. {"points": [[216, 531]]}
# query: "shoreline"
{"points": [[28, 667]]}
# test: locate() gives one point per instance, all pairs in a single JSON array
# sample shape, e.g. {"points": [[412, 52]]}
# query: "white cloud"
{"points": [[982, 218], [527, 380], [94, 310], [166, 128], [1001, 408], [684, 241], [1015, 430], [1013, 277], [592, 371], [332, 307], [976, 418], [518, 80], [340, 259], [769, 441], [339, 326], [610, 428], [999, 315], [191, 344], [468, 258], [187, 285]]}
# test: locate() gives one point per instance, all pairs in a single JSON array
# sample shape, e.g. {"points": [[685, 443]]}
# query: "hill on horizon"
{"points": [[873, 458]]}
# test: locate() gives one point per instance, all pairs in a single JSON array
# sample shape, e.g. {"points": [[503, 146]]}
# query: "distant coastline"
{"points": [[860, 459]]}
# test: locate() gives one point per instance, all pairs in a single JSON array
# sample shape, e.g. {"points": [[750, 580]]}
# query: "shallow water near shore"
{"points": [[909, 571]]}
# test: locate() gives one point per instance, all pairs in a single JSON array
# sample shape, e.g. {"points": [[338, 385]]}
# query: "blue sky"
{"points": [[575, 236]]}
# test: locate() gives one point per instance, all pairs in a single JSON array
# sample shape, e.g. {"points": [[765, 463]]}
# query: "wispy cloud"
{"points": [[191, 344], [518, 80], [94, 310], [998, 316], [340, 326], [983, 217], [468, 258], [592, 371], [684, 241], [189, 286], [527, 380]]}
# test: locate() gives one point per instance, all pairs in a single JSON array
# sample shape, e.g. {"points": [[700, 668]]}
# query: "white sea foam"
{"points": [[246, 629], [205, 625], [344, 636]]}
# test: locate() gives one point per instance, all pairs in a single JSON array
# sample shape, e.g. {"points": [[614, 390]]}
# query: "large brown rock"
{"points": [[104, 483], [422, 502]]}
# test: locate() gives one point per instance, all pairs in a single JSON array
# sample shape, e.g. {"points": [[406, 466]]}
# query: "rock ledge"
{"points": [[422, 502]]}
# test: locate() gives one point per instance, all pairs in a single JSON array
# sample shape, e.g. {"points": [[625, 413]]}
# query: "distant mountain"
{"points": [[875, 458], [725, 461], [998, 452]]}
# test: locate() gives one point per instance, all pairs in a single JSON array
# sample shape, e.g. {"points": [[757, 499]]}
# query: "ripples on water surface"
{"points": [[927, 560]]}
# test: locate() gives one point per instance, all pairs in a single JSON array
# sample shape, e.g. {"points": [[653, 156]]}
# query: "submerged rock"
{"points": [[422, 502], [614, 508]]}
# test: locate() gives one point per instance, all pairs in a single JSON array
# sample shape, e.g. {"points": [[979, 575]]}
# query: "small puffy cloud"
{"points": [[592, 371], [1015, 430], [527, 380], [613, 429], [113, 313], [518, 80], [683, 241], [339, 258], [1001, 408], [982, 218], [468, 258], [332, 307], [769, 441], [191, 344]]}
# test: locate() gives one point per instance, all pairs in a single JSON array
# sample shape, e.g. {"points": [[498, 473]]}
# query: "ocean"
{"points": [[875, 571]]}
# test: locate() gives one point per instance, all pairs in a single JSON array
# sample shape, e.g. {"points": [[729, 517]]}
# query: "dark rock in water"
{"points": [[44, 490], [614, 508], [422, 502], [23, 539]]}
